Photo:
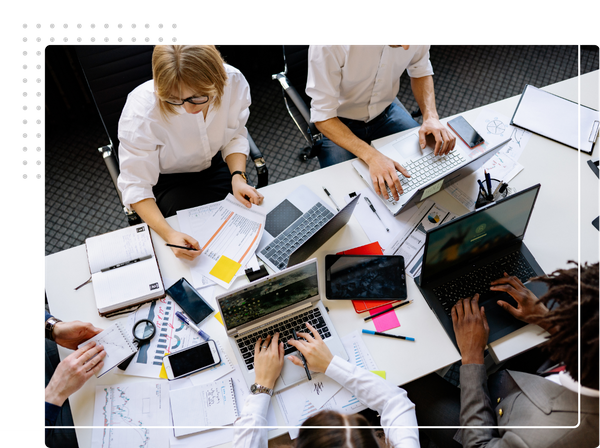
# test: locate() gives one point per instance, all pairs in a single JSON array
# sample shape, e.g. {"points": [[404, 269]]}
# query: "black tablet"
{"points": [[365, 277]]}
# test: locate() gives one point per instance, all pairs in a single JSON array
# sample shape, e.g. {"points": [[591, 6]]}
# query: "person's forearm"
{"points": [[151, 215], [424, 93], [236, 162], [341, 135]]}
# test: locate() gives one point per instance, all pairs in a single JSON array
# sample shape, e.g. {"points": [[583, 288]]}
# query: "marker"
{"points": [[375, 211], [181, 247], [192, 325], [406, 302], [301, 355], [120, 265], [488, 180], [388, 335], [482, 188], [330, 197]]}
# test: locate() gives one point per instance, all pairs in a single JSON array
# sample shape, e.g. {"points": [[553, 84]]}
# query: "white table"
{"points": [[558, 231]]}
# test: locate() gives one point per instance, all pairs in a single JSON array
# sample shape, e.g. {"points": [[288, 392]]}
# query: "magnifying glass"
{"points": [[143, 331]]}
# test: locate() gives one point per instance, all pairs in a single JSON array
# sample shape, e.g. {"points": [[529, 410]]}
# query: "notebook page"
{"points": [[118, 345]]}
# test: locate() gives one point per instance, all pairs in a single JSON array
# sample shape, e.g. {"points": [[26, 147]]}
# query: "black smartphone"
{"points": [[190, 300], [191, 360], [465, 132], [365, 277]]}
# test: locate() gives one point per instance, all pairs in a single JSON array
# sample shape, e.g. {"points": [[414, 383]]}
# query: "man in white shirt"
{"points": [[353, 90]]}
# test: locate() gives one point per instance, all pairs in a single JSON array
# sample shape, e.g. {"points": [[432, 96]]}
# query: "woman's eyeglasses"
{"points": [[196, 100]]}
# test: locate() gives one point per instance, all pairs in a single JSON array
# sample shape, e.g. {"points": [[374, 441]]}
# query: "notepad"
{"points": [[137, 278], [208, 405], [118, 345], [557, 118]]}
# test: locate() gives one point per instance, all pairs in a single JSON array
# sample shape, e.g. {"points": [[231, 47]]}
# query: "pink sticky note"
{"points": [[386, 321]]}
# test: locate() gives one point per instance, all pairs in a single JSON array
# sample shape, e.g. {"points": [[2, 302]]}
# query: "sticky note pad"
{"points": [[219, 318], [381, 373], [225, 269], [386, 321]]}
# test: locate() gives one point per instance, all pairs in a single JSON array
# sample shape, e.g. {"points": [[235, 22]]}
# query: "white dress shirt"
{"points": [[389, 401], [183, 143], [359, 81]]}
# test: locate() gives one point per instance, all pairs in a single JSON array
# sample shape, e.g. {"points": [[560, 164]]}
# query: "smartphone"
{"points": [[191, 359], [190, 300], [465, 132]]}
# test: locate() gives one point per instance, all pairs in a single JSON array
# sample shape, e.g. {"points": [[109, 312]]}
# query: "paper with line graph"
{"points": [[228, 233]]}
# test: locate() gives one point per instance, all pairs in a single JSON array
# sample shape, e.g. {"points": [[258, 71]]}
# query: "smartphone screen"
{"points": [[465, 131], [190, 300], [193, 359]]}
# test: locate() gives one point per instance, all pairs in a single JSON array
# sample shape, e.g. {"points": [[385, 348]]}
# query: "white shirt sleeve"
{"points": [[420, 65], [323, 81], [236, 134], [245, 434], [391, 402]]}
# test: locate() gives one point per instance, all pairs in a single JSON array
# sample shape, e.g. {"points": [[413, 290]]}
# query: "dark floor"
{"points": [[81, 200]]}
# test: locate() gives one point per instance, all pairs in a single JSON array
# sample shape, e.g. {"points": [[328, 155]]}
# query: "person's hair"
{"points": [[337, 437], [562, 297], [198, 67]]}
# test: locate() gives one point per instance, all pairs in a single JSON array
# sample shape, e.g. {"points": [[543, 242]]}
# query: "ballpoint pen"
{"points": [[302, 356], [376, 214], [192, 325], [331, 197], [397, 336], [488, 180], [181, 247], [406, 302], [125, 263]]}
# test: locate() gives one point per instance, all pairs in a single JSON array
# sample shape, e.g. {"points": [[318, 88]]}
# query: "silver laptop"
{"points": [[429, 173], [298, 226], [277, 303]]}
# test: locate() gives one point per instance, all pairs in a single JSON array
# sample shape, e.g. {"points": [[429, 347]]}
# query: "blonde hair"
{"points": [[198, 67]]}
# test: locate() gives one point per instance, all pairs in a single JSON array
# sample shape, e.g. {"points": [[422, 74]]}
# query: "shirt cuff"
{"points": [[339, 369], [257, 405], [52, 412]]}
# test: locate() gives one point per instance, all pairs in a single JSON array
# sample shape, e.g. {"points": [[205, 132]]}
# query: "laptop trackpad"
{"points": [[291, 373], [500, 321]]}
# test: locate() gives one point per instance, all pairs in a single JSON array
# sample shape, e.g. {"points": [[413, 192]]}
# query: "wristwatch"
{"points": [[256, 389], [241, 173], [50, 323]]}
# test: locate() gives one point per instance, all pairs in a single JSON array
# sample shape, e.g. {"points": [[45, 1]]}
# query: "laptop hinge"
{"points": [[275, 319]]}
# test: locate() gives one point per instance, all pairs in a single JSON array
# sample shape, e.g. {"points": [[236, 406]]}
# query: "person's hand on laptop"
{"points": [[268, 360], [444, 139], [383, 171], [315, 351], [529, 309], [471, 329]]}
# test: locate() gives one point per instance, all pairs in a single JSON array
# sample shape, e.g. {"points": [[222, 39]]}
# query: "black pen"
{"points": [[181, 247], [302, 356], [375, 211], [330, 197], [125, 263], [406, 302]]}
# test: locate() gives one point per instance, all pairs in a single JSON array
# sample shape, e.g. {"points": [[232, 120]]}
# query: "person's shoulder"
{"points": [[142, 100], [235, 77]]}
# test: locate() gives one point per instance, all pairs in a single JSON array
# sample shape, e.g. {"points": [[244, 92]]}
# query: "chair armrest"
{"points": [[293, 94], [262, 171]]}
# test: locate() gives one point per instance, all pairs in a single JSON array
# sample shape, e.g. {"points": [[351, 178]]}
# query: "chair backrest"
{"points": [[296, 68], [112, 71]]}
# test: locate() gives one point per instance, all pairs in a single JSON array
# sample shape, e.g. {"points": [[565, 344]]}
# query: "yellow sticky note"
{"points": [[219, 318], [225, 269], [163, 372], [381, 373]]}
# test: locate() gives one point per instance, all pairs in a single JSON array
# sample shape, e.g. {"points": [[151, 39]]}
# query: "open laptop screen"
{"points": [[270, 295], [480, 232]]}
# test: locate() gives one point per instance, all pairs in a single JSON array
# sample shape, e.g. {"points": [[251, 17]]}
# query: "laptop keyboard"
{"points": [[246, 343], [478, 281], [425, 169], [279, 250]]}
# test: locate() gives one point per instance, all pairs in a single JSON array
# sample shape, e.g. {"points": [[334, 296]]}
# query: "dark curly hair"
{"points": [[562, 298]]}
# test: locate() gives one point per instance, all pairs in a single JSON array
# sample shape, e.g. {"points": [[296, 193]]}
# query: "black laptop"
{"points": [[462, 257]]}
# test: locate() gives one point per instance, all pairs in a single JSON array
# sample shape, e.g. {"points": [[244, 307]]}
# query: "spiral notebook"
{"points": [[208, 405], [118, 345]]}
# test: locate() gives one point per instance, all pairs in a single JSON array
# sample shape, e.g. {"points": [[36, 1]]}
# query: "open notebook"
{"points": [[124, 269]]}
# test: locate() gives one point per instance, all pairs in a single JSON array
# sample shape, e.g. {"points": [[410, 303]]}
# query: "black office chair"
{"points": [[295, 73], [112, 72], [297, 102]]}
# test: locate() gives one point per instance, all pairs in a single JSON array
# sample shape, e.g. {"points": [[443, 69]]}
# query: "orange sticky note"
{"points": [[225, 269]]}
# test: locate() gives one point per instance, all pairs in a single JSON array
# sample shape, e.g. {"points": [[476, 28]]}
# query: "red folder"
{"points": [[360, 306]]}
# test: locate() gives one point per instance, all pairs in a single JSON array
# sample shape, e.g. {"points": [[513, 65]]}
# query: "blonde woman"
{"points": [[183, 140]]}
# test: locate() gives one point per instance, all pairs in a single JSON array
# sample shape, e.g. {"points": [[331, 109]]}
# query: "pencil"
{"points": [[406, 302], [388, 335], [181, 247]]}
